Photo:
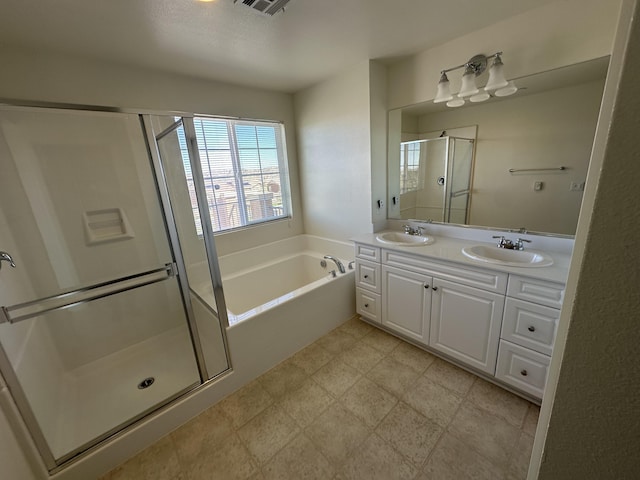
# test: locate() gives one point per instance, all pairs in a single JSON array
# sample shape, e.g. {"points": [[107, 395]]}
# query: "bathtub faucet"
{"points": [[337, 262]]}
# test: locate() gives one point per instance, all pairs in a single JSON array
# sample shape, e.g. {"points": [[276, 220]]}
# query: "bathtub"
{"points": [[279, 299]]}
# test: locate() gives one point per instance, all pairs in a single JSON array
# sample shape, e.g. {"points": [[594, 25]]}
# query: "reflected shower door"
{"points": [[93, 329], [459, 174]]}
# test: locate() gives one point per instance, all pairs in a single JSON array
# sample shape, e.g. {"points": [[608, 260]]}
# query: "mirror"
{"points": [[509, 163]]}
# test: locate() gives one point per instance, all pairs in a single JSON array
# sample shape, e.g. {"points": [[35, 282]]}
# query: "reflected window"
{"points": [[409, 166], [245, 172]]}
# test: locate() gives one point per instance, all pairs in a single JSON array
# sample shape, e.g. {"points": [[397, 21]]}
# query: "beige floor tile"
{"points": [[381, 340], [158, 462], [393, 376], [337, 433], [306, 403], [499, 402], [453, 460], [362, 357], [336, 377], [283, 378], [410, 433], [268, 432], [368, 401], [257, 476], [377, 460], [337, 341], [300, 459], [455, 379], [520, 457], [202, 433], [489, 435], [413, 357], [246, 403], [231, 461], [312, 358], [433, 401], [356, 327], [531, 420]]}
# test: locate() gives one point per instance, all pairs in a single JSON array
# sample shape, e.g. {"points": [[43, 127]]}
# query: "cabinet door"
{"points": [[406, 303], [465, 323]]}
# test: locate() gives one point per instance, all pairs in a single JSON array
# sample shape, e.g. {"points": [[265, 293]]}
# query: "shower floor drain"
{"points": [[146, 383]]}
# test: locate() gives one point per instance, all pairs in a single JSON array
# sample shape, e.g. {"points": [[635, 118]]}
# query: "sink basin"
{"points": [[502, 256], [404, 239]]}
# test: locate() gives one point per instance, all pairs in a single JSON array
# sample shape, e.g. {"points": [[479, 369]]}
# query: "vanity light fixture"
{"points": [[496, 86]]}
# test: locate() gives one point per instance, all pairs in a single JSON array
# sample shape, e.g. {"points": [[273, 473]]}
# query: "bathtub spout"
{"points": [[337, 262]]}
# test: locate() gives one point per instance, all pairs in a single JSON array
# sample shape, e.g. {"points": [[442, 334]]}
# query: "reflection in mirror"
{"points": [[435, 176], [497, 164]]}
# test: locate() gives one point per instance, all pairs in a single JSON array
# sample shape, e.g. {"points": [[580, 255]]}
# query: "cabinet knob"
{"points": [[366, 305], [532, 328], [366, 276], [434, 288], [524, 373], [426, 286]]}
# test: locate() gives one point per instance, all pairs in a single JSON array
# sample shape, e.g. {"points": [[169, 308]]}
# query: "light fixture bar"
{"points": [[476, 65]]}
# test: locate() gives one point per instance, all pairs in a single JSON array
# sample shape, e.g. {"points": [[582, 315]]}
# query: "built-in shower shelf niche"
{"points": [[108, 225]]}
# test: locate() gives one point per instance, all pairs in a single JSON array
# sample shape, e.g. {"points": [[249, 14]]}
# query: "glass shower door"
{"points": [[93, 329], [178, 159], [460, 164]]}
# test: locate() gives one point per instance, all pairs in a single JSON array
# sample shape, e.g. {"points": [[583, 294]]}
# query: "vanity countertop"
{"points": [[450, 249]]}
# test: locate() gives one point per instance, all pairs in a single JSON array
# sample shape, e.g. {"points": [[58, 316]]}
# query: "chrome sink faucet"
{"points": [[337, 262], [510, 244], [409, 230]]}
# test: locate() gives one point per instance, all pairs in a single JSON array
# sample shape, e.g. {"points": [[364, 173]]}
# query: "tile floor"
{"points": [[356, 404]]}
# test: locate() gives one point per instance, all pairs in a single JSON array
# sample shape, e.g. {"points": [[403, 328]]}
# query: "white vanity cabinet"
{"points": [[498, 323], [528, 332], [453, 309], [465, 323], [406, 302], [368, 283]]}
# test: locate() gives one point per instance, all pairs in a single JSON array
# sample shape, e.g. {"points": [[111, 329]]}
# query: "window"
{"points": [[244, 169], [409, 166]]}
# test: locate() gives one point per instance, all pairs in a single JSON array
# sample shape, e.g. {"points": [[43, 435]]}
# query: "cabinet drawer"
{"points": [[530, 325], [368, 304], [367, 252], [522, 368], [473, 277], [550, 294], [368, 275]]}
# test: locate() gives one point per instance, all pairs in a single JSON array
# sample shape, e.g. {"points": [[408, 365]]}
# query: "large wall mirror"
{"points": [[513, 162]]}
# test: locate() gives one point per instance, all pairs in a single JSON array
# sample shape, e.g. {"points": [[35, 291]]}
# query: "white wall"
{"points": [[554, 35], [36, 76], [551, 128], [589, 419], [334, 146]]}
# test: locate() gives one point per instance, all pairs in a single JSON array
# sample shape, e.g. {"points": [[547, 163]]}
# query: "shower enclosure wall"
{"points": [[435, 179], [98, 325]]}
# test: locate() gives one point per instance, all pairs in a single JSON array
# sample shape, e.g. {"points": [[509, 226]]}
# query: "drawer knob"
{"points": [[366, 305], [532, 328], [524, 373], [426, 286], [366, 276], [434, 288]]}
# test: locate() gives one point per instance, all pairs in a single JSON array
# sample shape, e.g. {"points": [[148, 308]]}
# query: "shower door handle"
{"points": [[35, 308], [4, 256]]}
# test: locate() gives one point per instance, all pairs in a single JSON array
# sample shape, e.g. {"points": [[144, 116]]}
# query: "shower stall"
{"points": [[435, 179], [98, 247]]}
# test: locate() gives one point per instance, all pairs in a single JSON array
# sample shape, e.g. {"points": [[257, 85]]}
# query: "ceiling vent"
{"points": [[266, 7]]}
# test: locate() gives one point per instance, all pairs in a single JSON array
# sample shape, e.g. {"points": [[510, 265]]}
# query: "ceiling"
{"points": [[220, 40]]}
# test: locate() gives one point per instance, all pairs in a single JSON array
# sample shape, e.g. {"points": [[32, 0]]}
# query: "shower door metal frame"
{"points": [[210, 247], [7, 371]]}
